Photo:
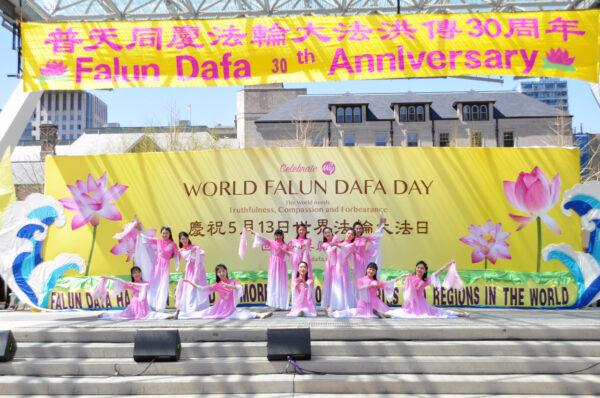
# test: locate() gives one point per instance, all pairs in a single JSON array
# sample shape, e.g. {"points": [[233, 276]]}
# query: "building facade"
{"points": [[275, 116], [71, 111], [550, 91]]}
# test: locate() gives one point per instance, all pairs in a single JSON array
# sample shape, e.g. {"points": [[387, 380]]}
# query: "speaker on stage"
{"points": [[8, 346], [284, 343], [156, 345]]}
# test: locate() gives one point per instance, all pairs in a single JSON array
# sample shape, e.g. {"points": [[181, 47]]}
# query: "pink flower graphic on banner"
{"points": [[559, 59], [534, 195], [488, 242], [128, 239], [53, 68], [92, 200]]}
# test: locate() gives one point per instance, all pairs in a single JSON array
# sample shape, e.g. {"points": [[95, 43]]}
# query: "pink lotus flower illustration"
{"points": [[488, 242], [54, 68], [92, 200], [559, 59], [534, 195], [128, 240]]}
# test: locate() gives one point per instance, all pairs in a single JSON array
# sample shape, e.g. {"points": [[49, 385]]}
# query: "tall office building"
{"points": [[71, 111], [547, 90]]}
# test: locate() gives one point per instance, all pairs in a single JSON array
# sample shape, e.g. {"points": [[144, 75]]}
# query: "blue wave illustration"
{"points": [[584, 200], [22, 237]]}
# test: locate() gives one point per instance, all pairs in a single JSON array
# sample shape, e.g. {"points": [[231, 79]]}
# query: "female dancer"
{"points": [[277, 280], [138, 306], [414, 304], [368, 248], [329, 246], [165, 250], [189, 299], [230, 291], [342, 289], [369, 305], [300, 248], [304, 301]]}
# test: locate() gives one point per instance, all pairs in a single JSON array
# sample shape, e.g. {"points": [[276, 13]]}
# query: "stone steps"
{"points": [[497, 348], [520, 384], [432, 365]]}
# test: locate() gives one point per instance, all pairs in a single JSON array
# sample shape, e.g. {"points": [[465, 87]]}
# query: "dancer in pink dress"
{"points": [[138, 305], [369, 304], [368, 248], [329, 246], [277, 280], [342, 289], [414, 304], [304, 298], [164, 250], [300, 248], [189, 299], [229, 291]]}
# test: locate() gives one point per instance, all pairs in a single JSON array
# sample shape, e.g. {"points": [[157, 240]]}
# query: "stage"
{"points": [[495, 351]]}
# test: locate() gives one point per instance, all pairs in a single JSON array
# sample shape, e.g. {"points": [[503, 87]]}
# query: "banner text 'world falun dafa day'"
{"points": [[88, 55]]}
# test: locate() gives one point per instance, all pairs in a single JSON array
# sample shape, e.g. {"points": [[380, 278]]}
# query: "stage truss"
{"points": [[101, 10]]}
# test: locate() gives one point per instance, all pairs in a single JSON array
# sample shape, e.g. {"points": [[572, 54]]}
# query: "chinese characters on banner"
{"points": [[82, 55]]}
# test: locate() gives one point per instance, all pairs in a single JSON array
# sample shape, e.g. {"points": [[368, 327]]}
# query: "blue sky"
{"points": [[211, 106]]}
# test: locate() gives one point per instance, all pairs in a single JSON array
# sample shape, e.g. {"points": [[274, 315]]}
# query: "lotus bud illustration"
{"points": [[559, 59], [54, 68]]}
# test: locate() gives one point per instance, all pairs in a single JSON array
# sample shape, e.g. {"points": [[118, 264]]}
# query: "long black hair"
{"points": [[135, 268], [165, 228], [324, 241], [353, 232], [298, 270], [221, 266], [305, 227], [184, 234], [424, 264], [279, 232], [355, 224], [372, 266]]}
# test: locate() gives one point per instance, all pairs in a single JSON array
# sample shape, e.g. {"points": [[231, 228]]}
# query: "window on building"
{"points": [[444, 139], [64, 118], [339, 115], [64, 101], [72, 101], [467, 112], [357, 115], [349, 140], [476, 139], [79, 127], [381, 139], [412, 139], [474, 112], [508, 139], [50, 101], [78, 117], [78, 101], [411, 114], [403, 114], [64, 127], [483, 112], [420, 113], [348, 114], [72, 117]]}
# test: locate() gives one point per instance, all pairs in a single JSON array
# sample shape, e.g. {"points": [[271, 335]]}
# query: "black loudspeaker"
{"points": [[156, 345], [284, 343], [8, 346]]}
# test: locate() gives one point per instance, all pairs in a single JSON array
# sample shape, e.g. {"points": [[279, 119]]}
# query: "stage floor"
{"points": [[479, 319]]}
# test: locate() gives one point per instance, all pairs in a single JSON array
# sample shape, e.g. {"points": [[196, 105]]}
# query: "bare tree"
{"points": [[306, 130], [561, 131]]}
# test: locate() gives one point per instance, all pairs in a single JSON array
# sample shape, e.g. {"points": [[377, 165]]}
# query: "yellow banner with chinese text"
{"points": [[178, 53]]}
